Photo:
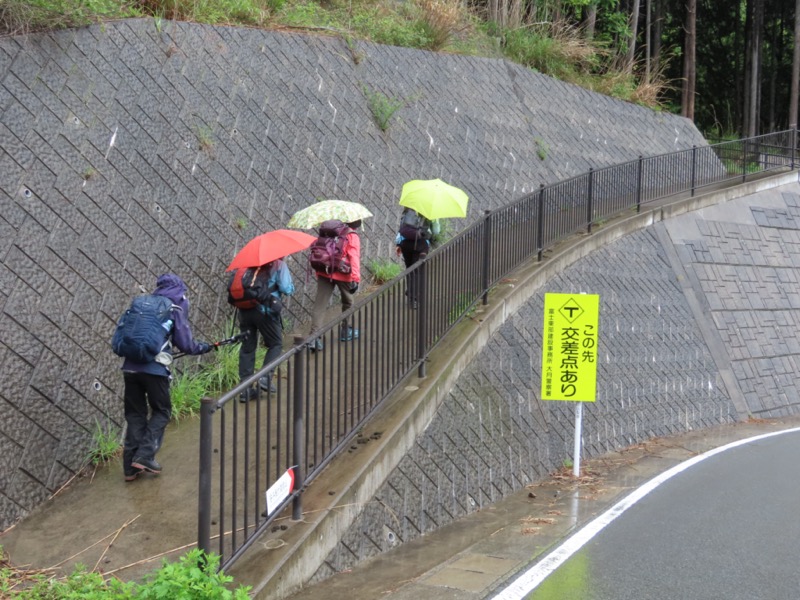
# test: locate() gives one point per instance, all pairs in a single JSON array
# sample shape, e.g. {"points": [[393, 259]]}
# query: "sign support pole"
{"points": [[576, 453]]}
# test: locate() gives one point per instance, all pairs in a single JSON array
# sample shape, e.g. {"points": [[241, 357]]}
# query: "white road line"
{"points": [[525, 583]]}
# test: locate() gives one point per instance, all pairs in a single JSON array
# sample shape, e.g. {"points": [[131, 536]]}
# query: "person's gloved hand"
{"points": [[353, 287], [203, 347]]}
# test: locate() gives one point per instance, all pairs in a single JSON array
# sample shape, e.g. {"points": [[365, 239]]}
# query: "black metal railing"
{"points": [[324, 397]]}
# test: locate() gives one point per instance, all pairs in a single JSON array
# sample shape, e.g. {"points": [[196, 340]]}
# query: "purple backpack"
{"points": [[327, 253]]}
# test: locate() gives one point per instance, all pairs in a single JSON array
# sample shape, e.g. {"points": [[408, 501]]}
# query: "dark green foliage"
{"points": [[192, 577]]}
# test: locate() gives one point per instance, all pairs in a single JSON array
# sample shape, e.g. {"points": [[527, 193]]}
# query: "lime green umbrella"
{"points": [[434, 199], [343, 210]]}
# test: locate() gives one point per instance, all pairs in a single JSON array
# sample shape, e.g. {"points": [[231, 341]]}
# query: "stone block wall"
{"points": [[492, 435], [132, 148], [667, 365]]}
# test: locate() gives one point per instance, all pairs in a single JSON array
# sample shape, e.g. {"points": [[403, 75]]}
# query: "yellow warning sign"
{"points": [[569, 348]]}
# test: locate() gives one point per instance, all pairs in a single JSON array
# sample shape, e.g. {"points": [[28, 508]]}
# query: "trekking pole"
{"points": [[226, 342], [240, 337]]}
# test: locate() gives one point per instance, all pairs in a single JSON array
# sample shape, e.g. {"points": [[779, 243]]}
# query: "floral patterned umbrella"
{"points": [[343, 210]]}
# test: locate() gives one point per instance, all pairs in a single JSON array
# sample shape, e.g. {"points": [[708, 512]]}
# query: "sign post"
{"points": [[569, 355]]}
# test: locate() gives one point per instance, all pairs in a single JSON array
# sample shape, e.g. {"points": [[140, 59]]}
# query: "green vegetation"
{"points": [[550, 45], [213, 378], [194, 575], [21, 16], [541, 148], [205, 138], [356, 54], [105, 443], [383, 269], [382, 107]]}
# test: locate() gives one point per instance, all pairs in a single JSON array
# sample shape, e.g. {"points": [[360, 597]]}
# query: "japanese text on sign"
{"points": [[569, 348]]}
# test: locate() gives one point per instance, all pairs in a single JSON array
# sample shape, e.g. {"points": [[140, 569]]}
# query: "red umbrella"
{"points": [[269, 246]]}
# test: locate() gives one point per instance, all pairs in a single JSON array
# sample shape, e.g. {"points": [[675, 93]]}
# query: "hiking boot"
{"points": [[348, 334], [265, 383], [248, 394], [132, 474], [148, 465], [316, 345]]}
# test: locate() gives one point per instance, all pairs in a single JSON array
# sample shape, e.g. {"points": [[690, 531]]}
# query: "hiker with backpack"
{"points": [[145, 335], [412, 242], [335, 259], [257, 292]]}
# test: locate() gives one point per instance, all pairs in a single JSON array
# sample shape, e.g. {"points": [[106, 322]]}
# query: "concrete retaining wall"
{"points": [[133, 148], [698, 327]]}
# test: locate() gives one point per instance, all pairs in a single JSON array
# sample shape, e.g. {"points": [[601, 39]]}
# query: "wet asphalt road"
{"points": [[727, 528]]}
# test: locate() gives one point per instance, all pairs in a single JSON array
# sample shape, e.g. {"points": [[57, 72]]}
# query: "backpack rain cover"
{"points": [[143, 330], [327, 253]]}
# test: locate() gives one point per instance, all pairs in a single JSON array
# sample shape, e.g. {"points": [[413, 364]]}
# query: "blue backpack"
{"points": [[143, 330]]}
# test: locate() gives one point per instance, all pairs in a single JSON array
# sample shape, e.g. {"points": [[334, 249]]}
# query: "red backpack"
{"points": [[243, 288], [327, 255]]}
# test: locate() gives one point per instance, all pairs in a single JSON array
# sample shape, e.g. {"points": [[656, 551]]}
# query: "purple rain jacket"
{"points": [[171, 286]]}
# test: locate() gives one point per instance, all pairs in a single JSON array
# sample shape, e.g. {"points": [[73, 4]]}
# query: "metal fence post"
{"points": [[589, 202], [298, 441], [794, 146], [694, 169], [639, 185], [204, 488], [422, 317], [487, 252], [744, 160], [540, 224]]}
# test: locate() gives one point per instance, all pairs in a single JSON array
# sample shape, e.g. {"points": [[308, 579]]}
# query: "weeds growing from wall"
{"points": [[382, 107], [356, 54], [205, 138], [541, 148], [106, 442]]}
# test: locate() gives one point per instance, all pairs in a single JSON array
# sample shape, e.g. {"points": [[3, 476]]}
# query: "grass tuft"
{"points": [[193, 382], [26, 16], [106, 443], [383, 269], [441, 21], [383, 107]]}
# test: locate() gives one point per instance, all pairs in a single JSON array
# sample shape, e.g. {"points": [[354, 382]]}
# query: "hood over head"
{"points": [[171, 286]]}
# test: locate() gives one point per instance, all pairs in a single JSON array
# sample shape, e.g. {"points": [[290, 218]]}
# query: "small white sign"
{"points": [[280, 490]]}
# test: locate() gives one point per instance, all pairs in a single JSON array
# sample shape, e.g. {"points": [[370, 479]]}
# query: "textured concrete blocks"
{"points": [[126, 151]]}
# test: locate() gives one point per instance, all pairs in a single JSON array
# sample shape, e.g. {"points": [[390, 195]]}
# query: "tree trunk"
{"points": [[755, 68], [795, 69], [658, 26], [647, 44], [634, 26], [689, 66], [589, 20]]}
